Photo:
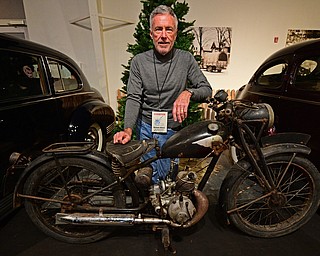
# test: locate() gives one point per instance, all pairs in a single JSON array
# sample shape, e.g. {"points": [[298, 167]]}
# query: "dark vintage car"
{"points": [[289, 80], [44, 98]]}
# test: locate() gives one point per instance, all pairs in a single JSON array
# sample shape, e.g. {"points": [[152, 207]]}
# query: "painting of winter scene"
{"points": [[212, 47]]}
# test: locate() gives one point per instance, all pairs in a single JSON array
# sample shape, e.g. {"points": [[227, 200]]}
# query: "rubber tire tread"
{"points": [[34, 180], [229, 187]]}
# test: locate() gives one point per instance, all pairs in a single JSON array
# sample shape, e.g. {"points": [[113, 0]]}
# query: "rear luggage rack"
{"points": [[70, 147]]}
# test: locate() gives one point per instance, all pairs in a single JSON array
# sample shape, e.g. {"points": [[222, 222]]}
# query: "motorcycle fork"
{"points": [[261, 170], [263, 173]]}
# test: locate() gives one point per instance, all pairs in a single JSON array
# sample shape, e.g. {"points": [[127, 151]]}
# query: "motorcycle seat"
{"points": [[131, 151]]}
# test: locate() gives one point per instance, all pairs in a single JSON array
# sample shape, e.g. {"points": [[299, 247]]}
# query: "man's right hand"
{"points": [[123, 137]]}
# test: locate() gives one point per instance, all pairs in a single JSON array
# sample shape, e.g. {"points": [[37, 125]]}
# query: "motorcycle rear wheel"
{"points": [[75, 179], [293, 203]]}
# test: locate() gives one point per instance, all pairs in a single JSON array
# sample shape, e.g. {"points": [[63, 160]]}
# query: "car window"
{"points": [[308, 75], [21, 76], [64, 77], [272, 76]]}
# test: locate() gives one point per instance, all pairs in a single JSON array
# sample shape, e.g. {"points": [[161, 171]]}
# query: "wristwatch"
{"points": [[190, 90]]}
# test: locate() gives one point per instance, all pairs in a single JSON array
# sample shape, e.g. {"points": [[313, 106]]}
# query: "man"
{"points": [[157, 96]]}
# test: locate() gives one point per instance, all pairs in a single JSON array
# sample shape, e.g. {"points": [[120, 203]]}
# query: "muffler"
{"points": [[106, 219], [131, 219]]}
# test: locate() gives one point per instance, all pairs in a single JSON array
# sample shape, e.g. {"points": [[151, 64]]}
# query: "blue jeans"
{"points": [[160, 167]]}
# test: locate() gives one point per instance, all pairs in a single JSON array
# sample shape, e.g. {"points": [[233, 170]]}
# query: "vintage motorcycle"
{"points": [[78, 195]]}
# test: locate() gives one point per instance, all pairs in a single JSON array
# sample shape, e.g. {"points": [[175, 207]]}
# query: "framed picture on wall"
{"points": [[212, 47], [299, 35]]}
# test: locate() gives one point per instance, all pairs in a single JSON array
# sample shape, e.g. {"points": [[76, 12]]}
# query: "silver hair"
{"points": [[163, 9]]}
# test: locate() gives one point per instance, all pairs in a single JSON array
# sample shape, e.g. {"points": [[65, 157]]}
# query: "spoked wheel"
{"points": [[292, 203], [75, 184]]}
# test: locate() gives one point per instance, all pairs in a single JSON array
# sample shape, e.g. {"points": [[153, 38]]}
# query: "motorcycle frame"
{"points": [[241, 126]]}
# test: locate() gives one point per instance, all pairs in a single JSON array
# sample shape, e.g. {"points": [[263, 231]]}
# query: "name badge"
{"points": [[159, 122]]}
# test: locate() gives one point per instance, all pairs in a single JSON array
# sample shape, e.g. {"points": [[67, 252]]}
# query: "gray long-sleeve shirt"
{"points": [[156, 81]]}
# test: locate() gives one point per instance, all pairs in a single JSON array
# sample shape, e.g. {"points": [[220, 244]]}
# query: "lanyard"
{"points": [[165, 79]]}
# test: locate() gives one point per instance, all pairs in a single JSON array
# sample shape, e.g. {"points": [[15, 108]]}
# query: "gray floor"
{"points": [[18, 236]]}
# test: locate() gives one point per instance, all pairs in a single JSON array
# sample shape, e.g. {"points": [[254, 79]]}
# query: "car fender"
{"points": [[94, 156], [87, 114]]}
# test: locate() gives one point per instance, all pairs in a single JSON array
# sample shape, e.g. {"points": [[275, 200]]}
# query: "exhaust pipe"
{"points": [[202, 204], [106, 219]]}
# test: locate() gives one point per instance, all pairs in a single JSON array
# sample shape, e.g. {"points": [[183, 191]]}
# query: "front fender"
{"points": [[89, 113], [285, 148], [276, 149], [95, 156], [243, 165]]}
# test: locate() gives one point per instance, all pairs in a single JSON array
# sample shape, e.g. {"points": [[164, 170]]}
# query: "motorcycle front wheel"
{"points": [[60, 188], [262, 213]]}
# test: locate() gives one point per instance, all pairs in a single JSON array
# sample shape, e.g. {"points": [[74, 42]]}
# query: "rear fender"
{"points": [[94, 156]]}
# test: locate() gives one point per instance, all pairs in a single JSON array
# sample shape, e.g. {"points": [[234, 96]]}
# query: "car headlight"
{"points": [[259, 112]]}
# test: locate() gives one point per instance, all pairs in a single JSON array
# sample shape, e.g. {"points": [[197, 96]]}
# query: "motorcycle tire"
{"points": [[75, 179], [291, 205]]}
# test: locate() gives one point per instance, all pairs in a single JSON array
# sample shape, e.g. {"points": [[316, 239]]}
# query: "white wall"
{"points": [[117, 40], [254, 25], [48, 23]]}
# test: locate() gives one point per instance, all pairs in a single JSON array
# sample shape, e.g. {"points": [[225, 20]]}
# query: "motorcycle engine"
{"points": [[181, 209], [174, 198]]}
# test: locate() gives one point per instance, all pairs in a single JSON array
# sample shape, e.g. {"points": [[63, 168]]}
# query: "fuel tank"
{"points": [[194, 140]]}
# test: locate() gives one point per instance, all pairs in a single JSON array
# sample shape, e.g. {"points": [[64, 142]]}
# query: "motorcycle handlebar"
{"points": [[229, 106], [218, 106], [228, 109], [220, 102]]}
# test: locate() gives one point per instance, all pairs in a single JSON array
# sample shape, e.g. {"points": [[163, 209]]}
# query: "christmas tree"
{"points": [[143, 42]]}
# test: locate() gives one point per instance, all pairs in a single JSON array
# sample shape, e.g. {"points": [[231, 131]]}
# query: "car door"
{"points": [[28, 118], [303, 99], [68, 89]]}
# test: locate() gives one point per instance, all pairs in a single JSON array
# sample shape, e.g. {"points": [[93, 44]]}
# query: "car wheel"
{"points": [[95, 134], [209, 68]]}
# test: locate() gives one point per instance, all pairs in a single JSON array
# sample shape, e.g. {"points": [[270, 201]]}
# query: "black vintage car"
{"points": [[44, 98], [289, 80]]}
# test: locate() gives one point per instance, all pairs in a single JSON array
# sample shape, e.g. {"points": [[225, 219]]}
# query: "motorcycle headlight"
{"points": [[259, 111]]}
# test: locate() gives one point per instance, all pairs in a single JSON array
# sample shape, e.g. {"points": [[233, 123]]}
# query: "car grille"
{"points": [[110, 127]]}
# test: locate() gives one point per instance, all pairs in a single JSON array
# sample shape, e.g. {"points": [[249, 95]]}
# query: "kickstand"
{"points": [[166, 241]]}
